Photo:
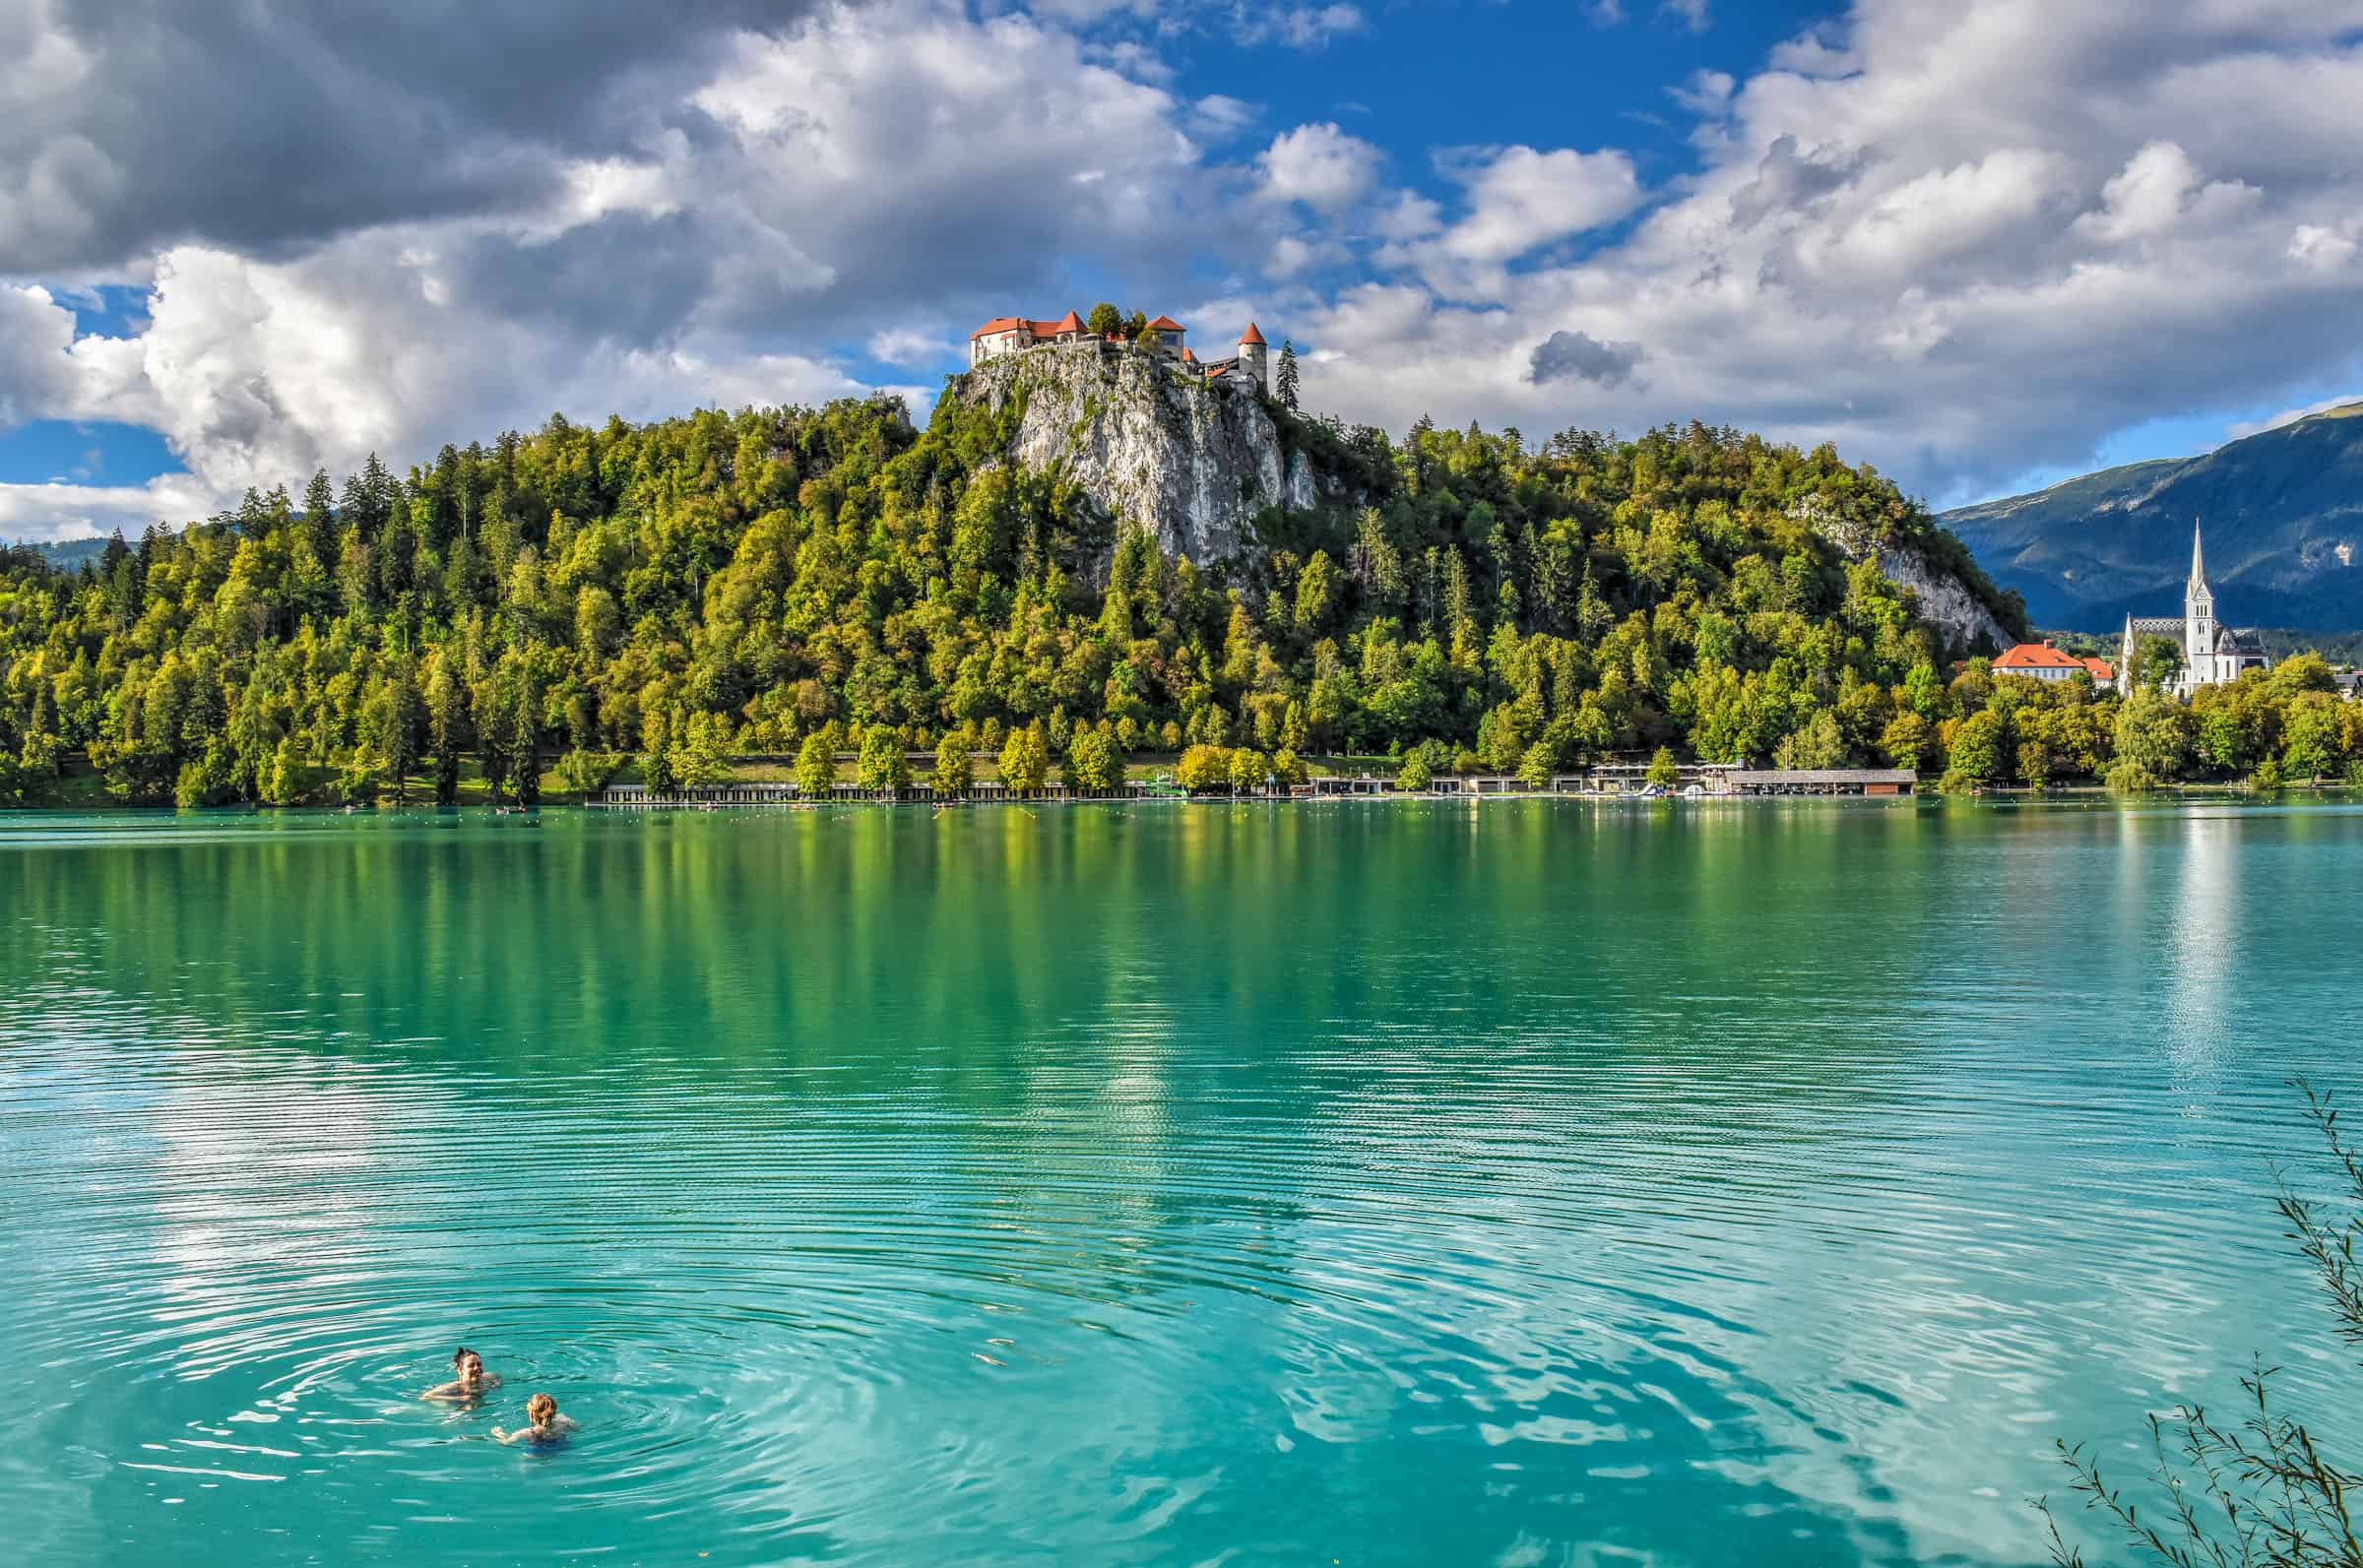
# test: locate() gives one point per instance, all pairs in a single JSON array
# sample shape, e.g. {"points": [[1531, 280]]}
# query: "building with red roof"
{"points": [[2046, 660], [1009, 335]]}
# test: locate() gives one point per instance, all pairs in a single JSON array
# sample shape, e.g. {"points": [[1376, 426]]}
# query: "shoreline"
{"points": [[2081, 794]]}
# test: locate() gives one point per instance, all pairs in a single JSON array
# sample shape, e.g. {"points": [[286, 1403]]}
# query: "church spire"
{"points": [[2199, 568]]}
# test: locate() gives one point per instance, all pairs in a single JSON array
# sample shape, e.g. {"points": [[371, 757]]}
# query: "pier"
{"points": [[1609, 780]]}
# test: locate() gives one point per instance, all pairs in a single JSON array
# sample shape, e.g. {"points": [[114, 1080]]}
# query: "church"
{"points": [[2212, 655]]}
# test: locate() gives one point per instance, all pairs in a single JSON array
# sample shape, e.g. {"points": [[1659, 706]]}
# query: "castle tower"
{"points": [[2199, 620], [1252, 351]]}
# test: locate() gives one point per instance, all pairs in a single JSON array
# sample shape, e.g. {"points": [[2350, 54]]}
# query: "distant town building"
{"points": [[2213, 653], [1011, 335], [2045, 661]]}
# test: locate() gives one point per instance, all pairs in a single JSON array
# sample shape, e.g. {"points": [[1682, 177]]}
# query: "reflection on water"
{"points": [[2203, 909], [1530, 1183]]}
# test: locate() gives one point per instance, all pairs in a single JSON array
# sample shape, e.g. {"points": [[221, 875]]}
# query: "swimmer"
{"points": [[549, 1425], [470, 1381]]}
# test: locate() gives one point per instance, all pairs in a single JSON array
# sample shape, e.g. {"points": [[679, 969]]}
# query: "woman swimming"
{"points": [[549, 1425], [469, 1382]]}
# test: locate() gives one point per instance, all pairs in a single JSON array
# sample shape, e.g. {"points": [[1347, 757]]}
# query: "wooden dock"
{"points": [[1711, 781]]}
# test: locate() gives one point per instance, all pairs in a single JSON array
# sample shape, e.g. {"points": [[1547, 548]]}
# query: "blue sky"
{"points": [[1980, 246]]}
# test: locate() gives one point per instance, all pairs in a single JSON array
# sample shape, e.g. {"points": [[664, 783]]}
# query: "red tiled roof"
{"points": [[1168, 324], [2036, 656], [1251, 335], [2101, 668], [1040, 329], [1190, 357]]}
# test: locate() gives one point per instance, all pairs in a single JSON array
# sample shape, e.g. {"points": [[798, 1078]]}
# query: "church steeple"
{"points": [[2200, 664]]}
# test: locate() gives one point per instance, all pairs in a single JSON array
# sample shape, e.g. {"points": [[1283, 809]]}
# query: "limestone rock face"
{"points": [[1944, 598], [1149, 443]]}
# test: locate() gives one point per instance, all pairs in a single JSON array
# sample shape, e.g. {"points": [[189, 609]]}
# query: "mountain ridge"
{"points": [[2281, 510]]}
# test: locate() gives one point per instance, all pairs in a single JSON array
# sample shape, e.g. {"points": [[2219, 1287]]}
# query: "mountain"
{"points": [[67, 554], [2283, 511]]}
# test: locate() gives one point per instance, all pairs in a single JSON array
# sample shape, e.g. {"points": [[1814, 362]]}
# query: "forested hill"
{"points": [[2282, 508], [736, 583]]}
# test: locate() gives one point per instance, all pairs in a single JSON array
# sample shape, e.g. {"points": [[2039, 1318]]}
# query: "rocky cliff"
{"points": [[1194, 463], [1150, 444], [1946, 597]]}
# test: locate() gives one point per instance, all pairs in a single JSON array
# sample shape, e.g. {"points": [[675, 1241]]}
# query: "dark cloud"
{"points": [[1581, 356], [268, 125], [1787, 180]]}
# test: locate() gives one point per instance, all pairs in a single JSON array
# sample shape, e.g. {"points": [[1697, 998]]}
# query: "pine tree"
{"points": [[320, 519], [1287, 383]]}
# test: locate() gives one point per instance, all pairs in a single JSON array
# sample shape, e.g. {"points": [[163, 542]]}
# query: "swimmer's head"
{"points": [[541, 1409], [469, 1365]]}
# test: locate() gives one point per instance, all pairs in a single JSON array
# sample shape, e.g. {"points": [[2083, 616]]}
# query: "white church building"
{"points": [[2213, 653]]}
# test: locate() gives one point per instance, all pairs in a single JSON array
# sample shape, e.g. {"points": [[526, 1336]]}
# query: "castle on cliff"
{"points": [[1012, 334], [2212, 655]]}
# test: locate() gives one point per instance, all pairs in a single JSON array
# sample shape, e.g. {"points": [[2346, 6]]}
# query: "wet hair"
{"points": [[461, 1354], [541, 1408]]}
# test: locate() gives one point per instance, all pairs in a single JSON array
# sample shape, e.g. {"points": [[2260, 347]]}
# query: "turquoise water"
{"points": [[1538, 1182]]}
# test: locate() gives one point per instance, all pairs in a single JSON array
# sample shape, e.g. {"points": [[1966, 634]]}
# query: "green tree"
{"points": [[1204, 768], [358, 778], [2152, 741], [817, 767], [1285, 382], [1106, 320], [284, 785], [883, 763], [2314, 746], [1664, 770], [955, 770], [1093, 762], [446, 701], [1537, 766], [2157, 662], [699, 757], [1316, 586], [1416, 775], [1816, 744], [1907, 741], [1976, 756], [400, 720], [1026, 760], [1249, 769], [586, 773]]}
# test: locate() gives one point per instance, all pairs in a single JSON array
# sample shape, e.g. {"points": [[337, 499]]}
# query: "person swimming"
{"points": [[470, 1380], [549, 1425]]}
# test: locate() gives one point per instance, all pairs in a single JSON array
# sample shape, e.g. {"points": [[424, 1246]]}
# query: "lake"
{"points": [[1533, 1182]]}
